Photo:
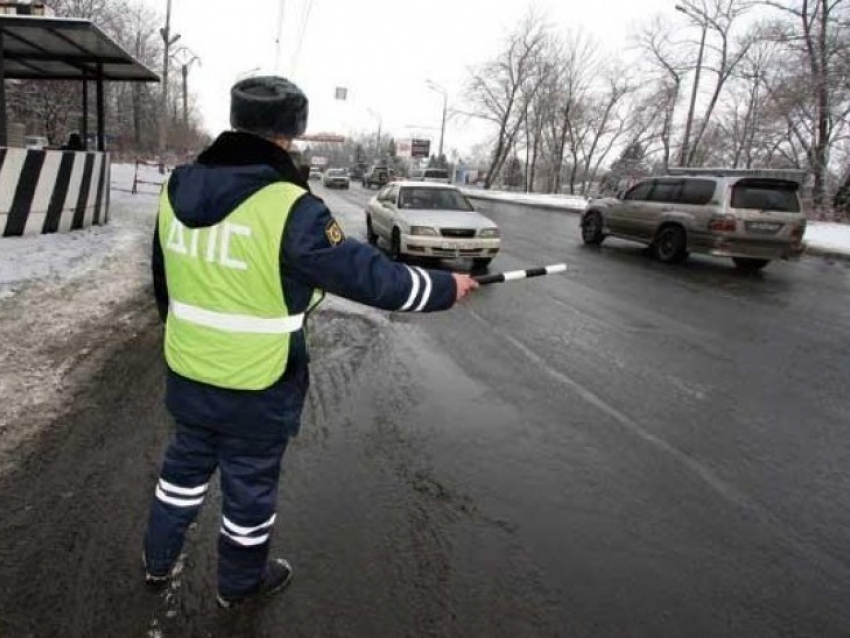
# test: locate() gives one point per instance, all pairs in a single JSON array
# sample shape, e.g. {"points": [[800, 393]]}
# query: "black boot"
{"points": [[278, 574]]}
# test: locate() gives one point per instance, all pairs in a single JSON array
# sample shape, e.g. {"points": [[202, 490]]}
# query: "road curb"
{"points": [[826, 254]]}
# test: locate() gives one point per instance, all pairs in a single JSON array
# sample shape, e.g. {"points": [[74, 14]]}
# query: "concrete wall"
{"points": [[52, 191]]}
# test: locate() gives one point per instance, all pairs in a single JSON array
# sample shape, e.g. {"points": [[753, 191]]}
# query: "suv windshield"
{"points": [[336, 172], [437, 173], [764, 194], [433, 199]]}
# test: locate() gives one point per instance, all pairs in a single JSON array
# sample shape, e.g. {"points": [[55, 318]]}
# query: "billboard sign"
{"points": [[420, 148]]}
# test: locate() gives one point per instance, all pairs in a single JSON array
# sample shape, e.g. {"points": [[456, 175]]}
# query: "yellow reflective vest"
{"points": [[228, 323]]}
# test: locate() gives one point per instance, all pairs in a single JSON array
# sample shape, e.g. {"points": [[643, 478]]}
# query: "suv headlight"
{"points": [[423, 230], [488, 232]]}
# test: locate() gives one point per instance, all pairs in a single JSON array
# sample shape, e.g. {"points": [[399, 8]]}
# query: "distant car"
{"points": [[751, 216], [336, 178], [35, 142], [315, 172], [437, 175], [376, 176], [427, 220]]}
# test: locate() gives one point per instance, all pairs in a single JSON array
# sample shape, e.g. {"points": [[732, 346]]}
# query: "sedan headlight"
{"points": [[488, 232], [423, 230]]}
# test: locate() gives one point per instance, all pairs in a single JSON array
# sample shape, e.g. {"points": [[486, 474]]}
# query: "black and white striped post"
{"points": [[514, 275]]}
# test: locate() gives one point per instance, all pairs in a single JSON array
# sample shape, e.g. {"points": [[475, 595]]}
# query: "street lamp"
{"points": [[702, 21], [184, 69], [168, 41], [439, 89]]}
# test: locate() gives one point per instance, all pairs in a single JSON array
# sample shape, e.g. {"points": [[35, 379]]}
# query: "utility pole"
{"points": [[684, 157], [439, 89], [167, 40], [184, 69], [378, 142]]}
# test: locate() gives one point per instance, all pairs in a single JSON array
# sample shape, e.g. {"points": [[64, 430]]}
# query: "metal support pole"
{"points": [[443, 127], [101, 137], [85, 123], [167, 41], [185, 70], [439, 89], [684, 159], [3, 124]]}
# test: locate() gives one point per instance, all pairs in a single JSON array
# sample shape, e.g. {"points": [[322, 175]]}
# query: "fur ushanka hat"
{"points": [[269, 106]]}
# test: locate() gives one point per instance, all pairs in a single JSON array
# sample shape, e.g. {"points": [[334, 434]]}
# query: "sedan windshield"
{"points": [[336, 172], [433, 199]]}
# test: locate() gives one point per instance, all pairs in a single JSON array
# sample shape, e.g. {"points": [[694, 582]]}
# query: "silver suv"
{"points": [[748, 215]]}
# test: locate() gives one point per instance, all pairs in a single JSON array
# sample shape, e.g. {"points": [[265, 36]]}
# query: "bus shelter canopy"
{"points": [[39, 48]]}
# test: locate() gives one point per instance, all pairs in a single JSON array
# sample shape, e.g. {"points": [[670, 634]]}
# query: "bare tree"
{"points": [[500, 90], [608, 127], [569, 85], [814, 86], [717, 18], [667, 70]]}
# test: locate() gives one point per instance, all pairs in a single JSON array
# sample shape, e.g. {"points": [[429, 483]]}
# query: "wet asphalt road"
{"points": [[630, 449]]}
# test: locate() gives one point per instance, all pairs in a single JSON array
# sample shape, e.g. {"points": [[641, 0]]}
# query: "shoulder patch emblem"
{"points": [[334, 233]]}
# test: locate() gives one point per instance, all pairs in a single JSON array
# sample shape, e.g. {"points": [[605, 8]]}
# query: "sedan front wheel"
{"points": [[395, 245], [371, 237]]}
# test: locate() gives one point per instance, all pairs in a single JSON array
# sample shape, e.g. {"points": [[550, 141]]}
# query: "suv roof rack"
{"points": [[791, 175]]}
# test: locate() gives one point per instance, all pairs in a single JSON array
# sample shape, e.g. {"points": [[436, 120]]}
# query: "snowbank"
{"points": [[568, 202], [828, 237], [58, 257]]}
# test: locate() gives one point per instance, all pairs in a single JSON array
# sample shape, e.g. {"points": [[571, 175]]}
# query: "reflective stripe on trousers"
{"points": [[250, 471]]}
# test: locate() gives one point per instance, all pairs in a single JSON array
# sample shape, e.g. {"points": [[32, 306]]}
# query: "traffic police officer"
{"points": [[241, 254]]}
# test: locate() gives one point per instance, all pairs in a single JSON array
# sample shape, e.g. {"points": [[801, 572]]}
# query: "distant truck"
{"points": [[376, 176]]}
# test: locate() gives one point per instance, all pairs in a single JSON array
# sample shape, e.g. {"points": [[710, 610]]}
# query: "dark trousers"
{"points": [[249, 470]]}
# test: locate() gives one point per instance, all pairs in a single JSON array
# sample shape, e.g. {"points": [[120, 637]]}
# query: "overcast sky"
{"points": [[382, 52]]}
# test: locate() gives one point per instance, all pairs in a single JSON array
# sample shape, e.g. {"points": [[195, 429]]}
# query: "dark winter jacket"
{"points": [[236, 166]]}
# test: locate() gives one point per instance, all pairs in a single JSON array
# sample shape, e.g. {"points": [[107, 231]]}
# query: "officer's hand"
{"points": [[464, 284]]}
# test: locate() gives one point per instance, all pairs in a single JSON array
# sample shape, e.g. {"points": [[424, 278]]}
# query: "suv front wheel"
{"points": [[591, 229], [671, 245]]}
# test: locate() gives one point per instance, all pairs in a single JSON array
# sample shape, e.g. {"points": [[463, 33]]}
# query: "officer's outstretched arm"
{"points": [[316, 253]]}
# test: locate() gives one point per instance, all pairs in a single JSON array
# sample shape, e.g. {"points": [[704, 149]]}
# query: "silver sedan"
{"points": [[430, 220]]}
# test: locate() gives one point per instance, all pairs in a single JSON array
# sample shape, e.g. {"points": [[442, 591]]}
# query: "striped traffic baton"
{"points": [[513, 275]]}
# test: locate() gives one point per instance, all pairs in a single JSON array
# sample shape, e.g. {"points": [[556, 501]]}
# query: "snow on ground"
{"points": [[67, 300], [828, 237], [64, 300], [65, 256]]}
